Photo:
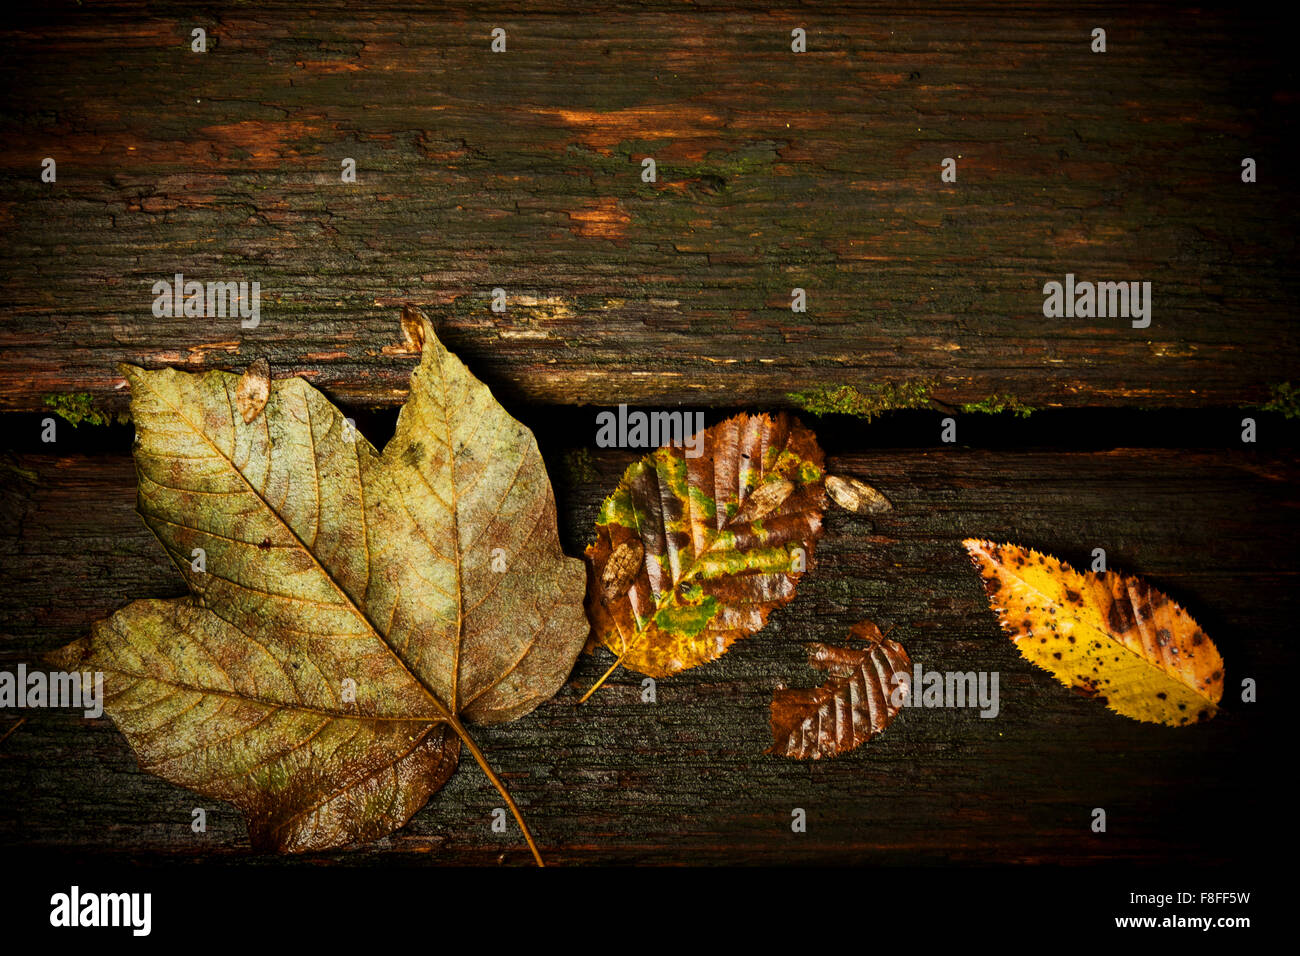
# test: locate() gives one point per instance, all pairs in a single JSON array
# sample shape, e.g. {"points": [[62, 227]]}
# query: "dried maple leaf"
{"points": [[352, 607], [1108, 635], [692, 554], [857, 702]]}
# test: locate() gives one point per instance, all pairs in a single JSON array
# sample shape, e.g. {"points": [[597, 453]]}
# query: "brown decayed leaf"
{"points": [[856, 496], [714, 562], [857, 702], [254, 389], [1110, 635], [350, 616]]}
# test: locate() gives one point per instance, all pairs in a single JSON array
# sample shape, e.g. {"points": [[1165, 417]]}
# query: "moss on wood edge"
{"points": [[867, 402], [78, 408]]}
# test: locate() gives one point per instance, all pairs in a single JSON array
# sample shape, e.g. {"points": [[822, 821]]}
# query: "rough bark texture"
{"points": [[521, 170], [686, 779]]}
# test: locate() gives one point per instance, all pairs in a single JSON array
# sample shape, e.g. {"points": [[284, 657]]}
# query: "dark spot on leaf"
{"points": [[1120, 617], [413, 454]]}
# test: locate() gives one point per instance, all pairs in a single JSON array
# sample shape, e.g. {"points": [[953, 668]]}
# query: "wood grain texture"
{"points": [[685, 779], [521, 170]]}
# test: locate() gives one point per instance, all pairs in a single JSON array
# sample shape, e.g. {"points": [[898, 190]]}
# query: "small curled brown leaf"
{"points": [[623, 566], [254, 390], [856, 496], [864, 694]]}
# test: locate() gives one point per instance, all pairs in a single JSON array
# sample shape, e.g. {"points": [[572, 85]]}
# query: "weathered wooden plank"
{"points": [[521, 170], [685, 779]]}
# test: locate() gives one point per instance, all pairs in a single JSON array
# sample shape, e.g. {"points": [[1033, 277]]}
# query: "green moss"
{"points": [[1284, 398], [867, 402], [78, 407], [580, 466], [997, 404], [725, 165]]}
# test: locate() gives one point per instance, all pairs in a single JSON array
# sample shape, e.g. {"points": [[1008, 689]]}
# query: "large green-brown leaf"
{"points": [[426, 582], [692, 554]]}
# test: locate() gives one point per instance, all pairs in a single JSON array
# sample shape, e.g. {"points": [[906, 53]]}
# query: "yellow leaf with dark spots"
{"points": [[1110, 636]]}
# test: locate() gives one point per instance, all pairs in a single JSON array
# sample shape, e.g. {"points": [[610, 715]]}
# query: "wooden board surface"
{"points": [[686, 779], [521, 170]]}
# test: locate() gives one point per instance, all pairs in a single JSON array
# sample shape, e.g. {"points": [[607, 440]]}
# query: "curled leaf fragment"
{"points": [[413, 328], [865, 690], [856, 496]]}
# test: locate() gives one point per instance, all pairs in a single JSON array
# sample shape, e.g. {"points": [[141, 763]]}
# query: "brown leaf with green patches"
{"points": [[723, 539], [862, 695], [351, 611], [1110, 636]]}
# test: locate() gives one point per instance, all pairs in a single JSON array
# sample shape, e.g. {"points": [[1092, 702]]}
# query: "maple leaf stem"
{"points": [[481, 760], [603, 677]]}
